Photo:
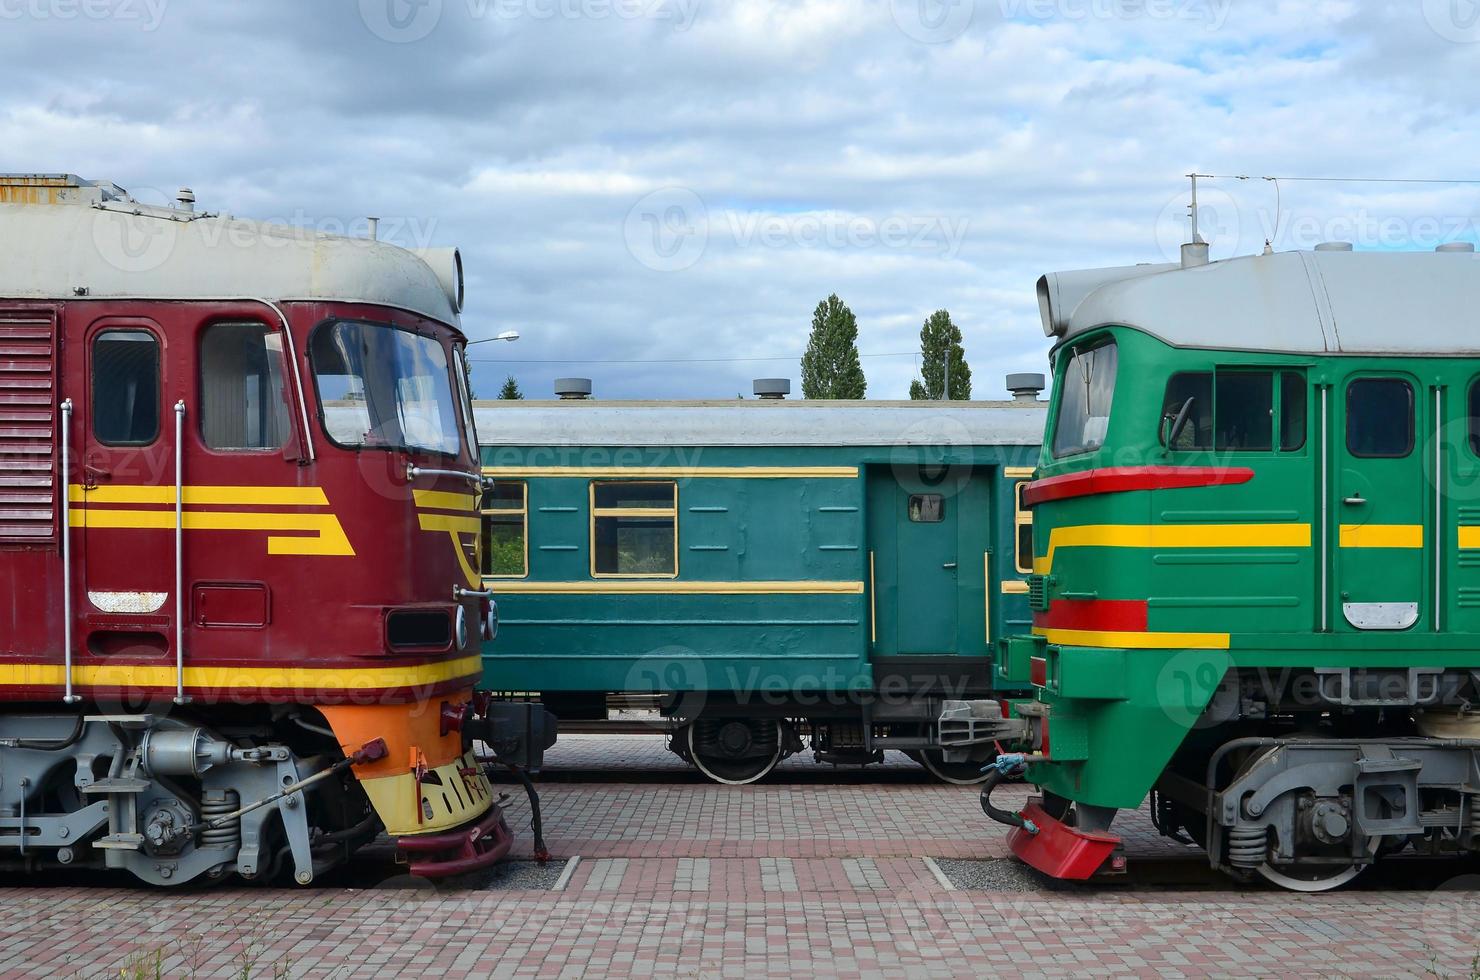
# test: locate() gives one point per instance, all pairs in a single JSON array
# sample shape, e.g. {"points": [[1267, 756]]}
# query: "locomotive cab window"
{"points": [[634, 529], [125, 387], [506, 531], [1379, 418], [243, 400], [381, 387], [927, 508], [1233, 411], [1085, 394]]}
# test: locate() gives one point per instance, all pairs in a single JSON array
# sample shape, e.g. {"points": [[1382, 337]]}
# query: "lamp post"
{"points": [[510, 335]]}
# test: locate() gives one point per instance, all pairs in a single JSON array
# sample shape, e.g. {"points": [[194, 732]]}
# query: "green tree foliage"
{"points": [[937, 336], [830, 367], [510, 390]]}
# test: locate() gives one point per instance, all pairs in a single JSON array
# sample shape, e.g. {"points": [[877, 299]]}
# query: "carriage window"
{"points": [[1379, 417], [1023, 519], [1084, 403], [1197, 430], [1292, 411], [506, 531], [927, 508], [125, 387], [243, 404], [634, 529]]}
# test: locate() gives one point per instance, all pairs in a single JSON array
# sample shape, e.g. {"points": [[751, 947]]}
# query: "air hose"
{"points": [[1003, 767], [541, 852]]}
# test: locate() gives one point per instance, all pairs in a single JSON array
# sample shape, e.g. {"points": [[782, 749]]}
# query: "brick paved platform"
{"points": [[680, 879]]}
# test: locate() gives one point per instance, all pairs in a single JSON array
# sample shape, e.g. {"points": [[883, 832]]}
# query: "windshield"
{"points": [[384, 388], [1084, 400]]}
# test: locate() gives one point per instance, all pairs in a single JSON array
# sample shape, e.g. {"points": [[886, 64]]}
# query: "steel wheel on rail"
{"points": [[968, 773], [1312, 877], [735, 751]]}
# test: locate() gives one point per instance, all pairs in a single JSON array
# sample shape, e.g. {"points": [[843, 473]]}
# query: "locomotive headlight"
{"points": [[490, 621], [462, 628]]}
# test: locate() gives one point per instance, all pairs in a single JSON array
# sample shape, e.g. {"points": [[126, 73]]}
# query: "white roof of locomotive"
{"points": [[759, 423], [73, 238], [1325, 302]]}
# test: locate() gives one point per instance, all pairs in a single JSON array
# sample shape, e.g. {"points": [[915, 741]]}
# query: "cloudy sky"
{"points": [[656, 193]]}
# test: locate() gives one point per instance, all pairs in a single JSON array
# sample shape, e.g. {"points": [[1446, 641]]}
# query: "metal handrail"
{"points": [[66, 532], [180, 697], [413, 471]]}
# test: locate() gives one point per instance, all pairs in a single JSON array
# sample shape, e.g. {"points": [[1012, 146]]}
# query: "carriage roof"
{"points": [[1321, 302], [759, 423], [64, 238]]}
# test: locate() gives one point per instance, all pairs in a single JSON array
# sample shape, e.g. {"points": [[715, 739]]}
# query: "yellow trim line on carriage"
{"points": [[673, 472], [671, 587], [227, 678]]}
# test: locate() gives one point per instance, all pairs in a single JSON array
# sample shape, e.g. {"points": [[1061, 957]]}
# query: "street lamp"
{"points": [[506, 335]]}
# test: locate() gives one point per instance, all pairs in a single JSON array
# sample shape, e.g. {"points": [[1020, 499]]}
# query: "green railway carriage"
{"points": [[765, 571], [1256, 582]]}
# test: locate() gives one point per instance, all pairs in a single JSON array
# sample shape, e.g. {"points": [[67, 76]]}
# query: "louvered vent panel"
{"points": [[28, 500]]}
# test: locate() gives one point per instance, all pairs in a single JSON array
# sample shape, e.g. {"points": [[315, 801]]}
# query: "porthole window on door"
{"points": [[927, 508]]}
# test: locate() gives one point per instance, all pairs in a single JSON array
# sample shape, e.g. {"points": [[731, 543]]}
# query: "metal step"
{"points": [[119, 784], [120, 842]]}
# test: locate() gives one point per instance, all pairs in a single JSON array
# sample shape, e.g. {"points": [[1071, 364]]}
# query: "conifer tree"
{"points": [[937, 336], [830, 367]]}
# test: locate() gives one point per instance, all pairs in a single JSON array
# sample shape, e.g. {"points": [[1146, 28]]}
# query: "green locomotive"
{"points": [[762, 572], [1256, 581]]}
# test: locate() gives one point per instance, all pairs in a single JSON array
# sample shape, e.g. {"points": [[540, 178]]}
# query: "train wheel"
{"points": [[967, 773], [735, 751], [1312, 877]]}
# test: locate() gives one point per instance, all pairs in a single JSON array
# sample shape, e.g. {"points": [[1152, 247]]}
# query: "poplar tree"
{"points": [[938, 336], [830, 367]]}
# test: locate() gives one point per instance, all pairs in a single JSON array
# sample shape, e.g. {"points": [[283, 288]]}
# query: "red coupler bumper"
{"points": [[1059, 850], [457, 852]]}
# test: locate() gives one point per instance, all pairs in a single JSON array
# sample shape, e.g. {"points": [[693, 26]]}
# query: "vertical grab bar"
{"points": [[180, 697], [66, 532]]}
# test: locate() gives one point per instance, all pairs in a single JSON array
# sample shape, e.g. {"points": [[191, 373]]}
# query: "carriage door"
{"points": [[1378, 487], [928, 537], [126, 478]]}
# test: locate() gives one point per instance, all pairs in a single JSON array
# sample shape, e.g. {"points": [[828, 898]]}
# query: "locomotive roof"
{"points": [[1320, 302], [759, 423], [60, 235]]}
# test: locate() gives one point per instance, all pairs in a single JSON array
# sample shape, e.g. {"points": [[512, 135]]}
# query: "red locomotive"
{"points": [[240, 608]]}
